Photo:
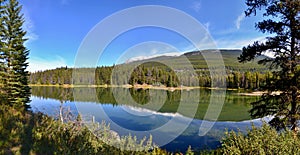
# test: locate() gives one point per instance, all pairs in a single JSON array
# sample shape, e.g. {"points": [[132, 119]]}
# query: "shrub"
{"points": [[53, 137], [265, 140]]}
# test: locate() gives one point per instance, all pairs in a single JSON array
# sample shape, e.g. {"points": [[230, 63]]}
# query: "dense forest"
{"points": [[155, 72]]}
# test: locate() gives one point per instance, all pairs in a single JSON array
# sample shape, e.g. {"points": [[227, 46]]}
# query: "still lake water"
{"points": [[143, 112]]}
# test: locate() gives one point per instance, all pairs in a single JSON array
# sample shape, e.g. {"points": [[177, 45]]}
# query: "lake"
{"points": [[175, 119]]}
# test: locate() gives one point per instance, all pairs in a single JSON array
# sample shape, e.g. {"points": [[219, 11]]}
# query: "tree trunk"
{"points": [[61, 113], [294, 110]]}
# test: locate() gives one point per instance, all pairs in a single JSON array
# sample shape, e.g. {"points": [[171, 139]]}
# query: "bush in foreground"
{"points": [[23, 132], [53, 137], [264, 140]]}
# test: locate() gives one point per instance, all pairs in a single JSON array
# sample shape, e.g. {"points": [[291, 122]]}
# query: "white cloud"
{"points": [[146, 50], [239, 20], [229, 44], [139, 58], [269, 54], [196, 6], [146, 112], [40, 64]]}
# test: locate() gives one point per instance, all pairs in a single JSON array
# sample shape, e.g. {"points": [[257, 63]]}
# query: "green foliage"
{"points": [[282, 22], [198, 62], [265, 140], [189, 151], [58, 76], [14, 55], [22, 132], [53, 137], [156, 76], [125, 143], [11, 129], [2, 56]]}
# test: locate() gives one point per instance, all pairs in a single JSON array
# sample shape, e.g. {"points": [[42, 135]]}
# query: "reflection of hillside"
{"points": [[235, 107], [53, 93]]}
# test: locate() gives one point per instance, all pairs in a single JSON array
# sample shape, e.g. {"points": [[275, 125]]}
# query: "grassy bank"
{"points": [[24, 132]]}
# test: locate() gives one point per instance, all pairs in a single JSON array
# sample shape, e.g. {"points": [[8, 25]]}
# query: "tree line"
{"points": [[149, 75]]}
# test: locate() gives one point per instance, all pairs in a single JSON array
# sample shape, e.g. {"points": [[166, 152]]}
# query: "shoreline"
{"points": [[145, 86], [137, 86]]}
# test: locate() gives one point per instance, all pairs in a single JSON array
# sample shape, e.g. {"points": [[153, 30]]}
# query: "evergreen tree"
{"points": [[15, 55], [283, 24], [2, 62]]}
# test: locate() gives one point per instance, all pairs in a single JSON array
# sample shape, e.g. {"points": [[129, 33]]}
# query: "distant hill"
{"points": [[196, 59]]}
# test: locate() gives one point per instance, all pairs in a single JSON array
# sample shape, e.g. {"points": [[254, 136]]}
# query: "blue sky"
{"points": [[56, 29]]}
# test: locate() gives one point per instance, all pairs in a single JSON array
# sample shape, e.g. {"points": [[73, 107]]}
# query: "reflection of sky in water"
{"points": [[50, 106], [139, 119]]}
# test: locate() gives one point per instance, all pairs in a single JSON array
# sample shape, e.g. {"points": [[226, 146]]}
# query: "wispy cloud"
{"points": [[238, 21], [29, 27], [40, 64], [229, 43], [233, 44], [147, 50], [196, 6]]}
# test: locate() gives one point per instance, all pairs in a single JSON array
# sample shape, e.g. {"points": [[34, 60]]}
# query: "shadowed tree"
{"points": [[2, 62], [14, 54], [281, 23]]}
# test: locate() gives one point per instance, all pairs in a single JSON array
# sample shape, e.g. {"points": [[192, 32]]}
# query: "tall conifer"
{"points": [[15, 55], [282, 22]]}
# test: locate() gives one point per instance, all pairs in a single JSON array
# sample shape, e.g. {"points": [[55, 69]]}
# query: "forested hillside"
{"points": [[199, 63], [155, 72]]}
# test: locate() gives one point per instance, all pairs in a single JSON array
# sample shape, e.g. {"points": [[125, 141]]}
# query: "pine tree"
{"points": [[15, 55], [283, 24], [2, 62]]}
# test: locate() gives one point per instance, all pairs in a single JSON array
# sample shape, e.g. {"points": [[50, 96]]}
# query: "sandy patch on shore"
{"points": [[258, 93]]}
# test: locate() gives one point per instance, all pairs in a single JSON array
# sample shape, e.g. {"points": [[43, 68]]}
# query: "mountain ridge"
{"points": [[196, 59], [190, 53]]}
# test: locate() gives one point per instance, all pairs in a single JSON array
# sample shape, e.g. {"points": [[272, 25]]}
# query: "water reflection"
{"points": [[235, 108], [142, 116]]}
